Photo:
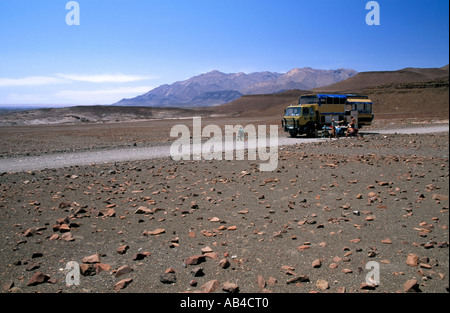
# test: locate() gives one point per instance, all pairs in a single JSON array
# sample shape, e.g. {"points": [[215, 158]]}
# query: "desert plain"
{"points": [[332, 212]]}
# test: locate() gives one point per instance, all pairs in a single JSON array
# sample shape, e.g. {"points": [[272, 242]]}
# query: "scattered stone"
{"points": [[143, 210], [140, 256], [122, 284], [67, 237], [87, 269], [197, 271], [157, 231], [224, 263], [316, 263], [95, 258], [194, 260], [411, 286], [99, 267], [122, 249], [298, 279], [168, 278], [125, 269], [261, 281], [230, 287], [206, 249], [32, 266], [303, 247], [322, 284], [271, 281], [29, 232], [412, 259], [211, 286], [38, 278], [366, 286]]}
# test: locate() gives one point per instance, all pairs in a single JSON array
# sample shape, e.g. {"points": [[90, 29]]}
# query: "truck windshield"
{"points": [[293, 112]]}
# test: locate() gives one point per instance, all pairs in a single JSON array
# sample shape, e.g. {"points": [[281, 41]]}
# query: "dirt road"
{"points": [[60, 160]]}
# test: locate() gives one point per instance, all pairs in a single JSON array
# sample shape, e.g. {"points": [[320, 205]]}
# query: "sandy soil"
{"points": [[312, 225]]}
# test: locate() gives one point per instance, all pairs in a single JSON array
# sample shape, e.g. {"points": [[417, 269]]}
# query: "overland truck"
{"points": [[314, 111]]}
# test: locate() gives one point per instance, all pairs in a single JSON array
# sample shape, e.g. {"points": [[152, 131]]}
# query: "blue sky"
{"points": [[125, 48]]}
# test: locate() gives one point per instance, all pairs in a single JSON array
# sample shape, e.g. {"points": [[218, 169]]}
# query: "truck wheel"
{"points": [[293, 133], [311, 131]]}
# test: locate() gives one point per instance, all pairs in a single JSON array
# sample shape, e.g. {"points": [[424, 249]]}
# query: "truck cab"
{"points": [[301, 119]]}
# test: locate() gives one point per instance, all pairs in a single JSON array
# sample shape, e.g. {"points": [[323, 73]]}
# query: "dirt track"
{"points": [[59, 160], [312, 225]]}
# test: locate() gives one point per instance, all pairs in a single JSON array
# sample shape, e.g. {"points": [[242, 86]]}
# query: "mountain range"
{"points": [[216, 88]]}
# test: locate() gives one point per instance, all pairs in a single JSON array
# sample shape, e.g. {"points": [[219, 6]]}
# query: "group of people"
{"points": [[337, 130]]}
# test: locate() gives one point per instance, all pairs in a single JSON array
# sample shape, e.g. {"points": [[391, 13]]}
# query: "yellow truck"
{"points": [[313, 112]]}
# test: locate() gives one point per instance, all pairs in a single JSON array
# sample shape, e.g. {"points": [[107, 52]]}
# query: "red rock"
{"points": [[303, 247], [64, 228], [194, 260], [206, 249], [95, 258], [125, 269], [168, 278], [157, 231], [99, 267], [298, 279], [67, 237], [230, 287], [386, 241], [122, 284], [143, 210], [38, 278], [347, 271], [53, 237], [261, 281], [367, 286], [411, 286], [211, 286], [412, 259], [317, 263], [87, 269], [322, 284], [271, 281], [140, 256], [122, 249], [29, 232], [224, 263]]}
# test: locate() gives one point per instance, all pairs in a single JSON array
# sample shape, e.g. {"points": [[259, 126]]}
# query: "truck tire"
{"points": [[311, 131], [293, 133]]}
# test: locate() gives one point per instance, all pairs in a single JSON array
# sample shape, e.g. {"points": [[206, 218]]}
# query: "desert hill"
{"points": [[92, 114], [216, 88], [370, 79]]}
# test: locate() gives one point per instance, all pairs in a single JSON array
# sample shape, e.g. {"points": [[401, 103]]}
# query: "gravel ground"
{"points": [[313, 225]]}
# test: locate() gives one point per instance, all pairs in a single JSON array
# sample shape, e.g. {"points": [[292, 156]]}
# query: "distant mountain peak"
{"points": [[215, 87]]}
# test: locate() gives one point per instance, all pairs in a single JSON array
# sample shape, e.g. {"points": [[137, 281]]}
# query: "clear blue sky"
{"points": [[123, 48]]}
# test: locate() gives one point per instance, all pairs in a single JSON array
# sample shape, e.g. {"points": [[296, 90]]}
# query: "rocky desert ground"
{"points": [[332, 213]]}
